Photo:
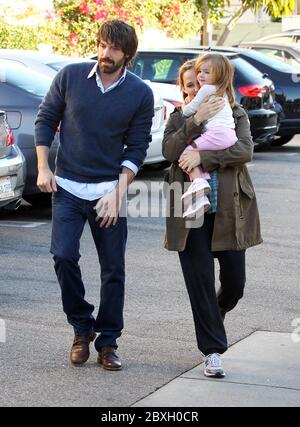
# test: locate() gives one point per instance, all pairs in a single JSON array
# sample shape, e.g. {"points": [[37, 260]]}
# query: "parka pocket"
{"points": [[246, 194], [245, 186]]}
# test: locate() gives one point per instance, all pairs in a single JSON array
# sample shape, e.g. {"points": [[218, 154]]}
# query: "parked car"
{"points": [[12, 167], [154, 152], [286, 37], [287, 89], [288, 54], [45, 63], [21, 92], [254, 91]]}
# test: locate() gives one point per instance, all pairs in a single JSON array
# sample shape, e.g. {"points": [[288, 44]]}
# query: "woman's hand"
{"points": [[208, 109], [188, 161]]}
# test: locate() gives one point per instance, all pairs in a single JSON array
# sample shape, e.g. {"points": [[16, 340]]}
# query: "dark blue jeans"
{"points": [[69, 217]]}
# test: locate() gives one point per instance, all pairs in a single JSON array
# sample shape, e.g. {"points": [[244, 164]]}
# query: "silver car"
{"points": [[289, 54], [45, 63], [12, 167]]}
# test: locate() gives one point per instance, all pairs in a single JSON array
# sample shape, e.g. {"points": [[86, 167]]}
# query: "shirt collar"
{"points": [[94, 71]]}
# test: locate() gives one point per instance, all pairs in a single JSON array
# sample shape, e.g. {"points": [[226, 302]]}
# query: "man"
{"points": [[106, 115]]}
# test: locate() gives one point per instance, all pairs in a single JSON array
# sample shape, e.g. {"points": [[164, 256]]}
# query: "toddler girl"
{"points": [[215, 76]]}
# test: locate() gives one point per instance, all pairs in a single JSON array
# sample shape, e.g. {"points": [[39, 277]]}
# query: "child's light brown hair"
{"points": [[222, 74]]}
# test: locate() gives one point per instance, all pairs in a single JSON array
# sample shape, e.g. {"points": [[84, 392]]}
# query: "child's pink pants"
{"points": [[217, 138]]}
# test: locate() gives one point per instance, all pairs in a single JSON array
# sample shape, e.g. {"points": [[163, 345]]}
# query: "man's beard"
{"points": [[107, 65]]}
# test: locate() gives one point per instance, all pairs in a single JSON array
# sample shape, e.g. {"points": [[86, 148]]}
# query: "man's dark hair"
{"points": [[120, 35]]}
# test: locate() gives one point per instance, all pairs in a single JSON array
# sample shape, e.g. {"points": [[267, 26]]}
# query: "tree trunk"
{"points": [[205, 17], [231, 24]]}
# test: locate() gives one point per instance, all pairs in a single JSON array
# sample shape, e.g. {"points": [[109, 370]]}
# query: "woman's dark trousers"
{"points": [[69, 217], [209, 309]]}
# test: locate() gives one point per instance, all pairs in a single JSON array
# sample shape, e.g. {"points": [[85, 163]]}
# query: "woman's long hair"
{"points": [[222, 74]]}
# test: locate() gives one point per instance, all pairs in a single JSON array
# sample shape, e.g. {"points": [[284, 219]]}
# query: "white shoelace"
{"points": [[213, 360]]}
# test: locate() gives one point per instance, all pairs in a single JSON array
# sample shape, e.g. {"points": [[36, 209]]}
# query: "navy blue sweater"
{"points": [[98, 131]]}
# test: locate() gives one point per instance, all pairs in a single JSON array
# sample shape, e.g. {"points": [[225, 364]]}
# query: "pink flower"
{"points": [[176, 9], [139, 20], [83, 8], [99, 2], [98, 16], [73, 39], [49, 15], [119, 9]]}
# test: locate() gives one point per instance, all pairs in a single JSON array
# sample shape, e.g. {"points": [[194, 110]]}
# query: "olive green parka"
{"points": [[237, 224]]}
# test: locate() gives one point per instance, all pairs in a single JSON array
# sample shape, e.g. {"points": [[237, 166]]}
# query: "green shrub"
{"points": [[20, 36]]}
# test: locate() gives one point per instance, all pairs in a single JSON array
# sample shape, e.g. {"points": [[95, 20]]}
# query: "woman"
{"points": [[230, 227]]}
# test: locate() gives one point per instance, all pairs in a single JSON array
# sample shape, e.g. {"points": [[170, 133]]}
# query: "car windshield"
{"points": [[272, 63], [23, 78]]}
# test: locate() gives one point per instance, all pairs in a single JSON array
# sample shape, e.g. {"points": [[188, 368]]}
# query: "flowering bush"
{"points": [[76, 22], [72, 28]]}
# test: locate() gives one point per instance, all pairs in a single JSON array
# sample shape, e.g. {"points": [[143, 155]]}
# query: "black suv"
{"points": [[254, 91], [287, 89]]}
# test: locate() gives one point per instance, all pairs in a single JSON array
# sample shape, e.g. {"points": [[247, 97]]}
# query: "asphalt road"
{"points": [[158, 343]]}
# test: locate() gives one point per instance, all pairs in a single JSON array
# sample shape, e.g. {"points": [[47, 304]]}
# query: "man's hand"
{"points": [[108, 208], [189, 161], [46, 181], [208, 109]]}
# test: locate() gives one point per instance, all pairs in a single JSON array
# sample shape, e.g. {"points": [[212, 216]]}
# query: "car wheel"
{"points": [[42, 200], [282, 140]]}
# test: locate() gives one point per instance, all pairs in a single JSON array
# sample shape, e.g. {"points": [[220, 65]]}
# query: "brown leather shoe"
{"points": [[108, 359], [80, 351]]}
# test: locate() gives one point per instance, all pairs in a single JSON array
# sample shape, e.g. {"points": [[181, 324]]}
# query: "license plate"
{"points": [[6, 188]]}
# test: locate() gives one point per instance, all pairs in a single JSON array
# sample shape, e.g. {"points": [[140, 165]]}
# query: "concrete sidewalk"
{"points": [[262, 370]]}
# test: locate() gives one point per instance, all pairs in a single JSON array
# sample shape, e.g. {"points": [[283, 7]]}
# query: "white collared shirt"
{"points": [[93, 191], [94, 71]]}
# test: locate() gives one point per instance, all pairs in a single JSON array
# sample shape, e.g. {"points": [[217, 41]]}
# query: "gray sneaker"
{"points": [[213, 366]]}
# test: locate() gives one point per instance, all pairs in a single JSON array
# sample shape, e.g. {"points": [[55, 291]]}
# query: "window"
{"points": [[258, 57], [156, 68], [273, 53], [23, 78], [291, 60], [245, 72]]}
